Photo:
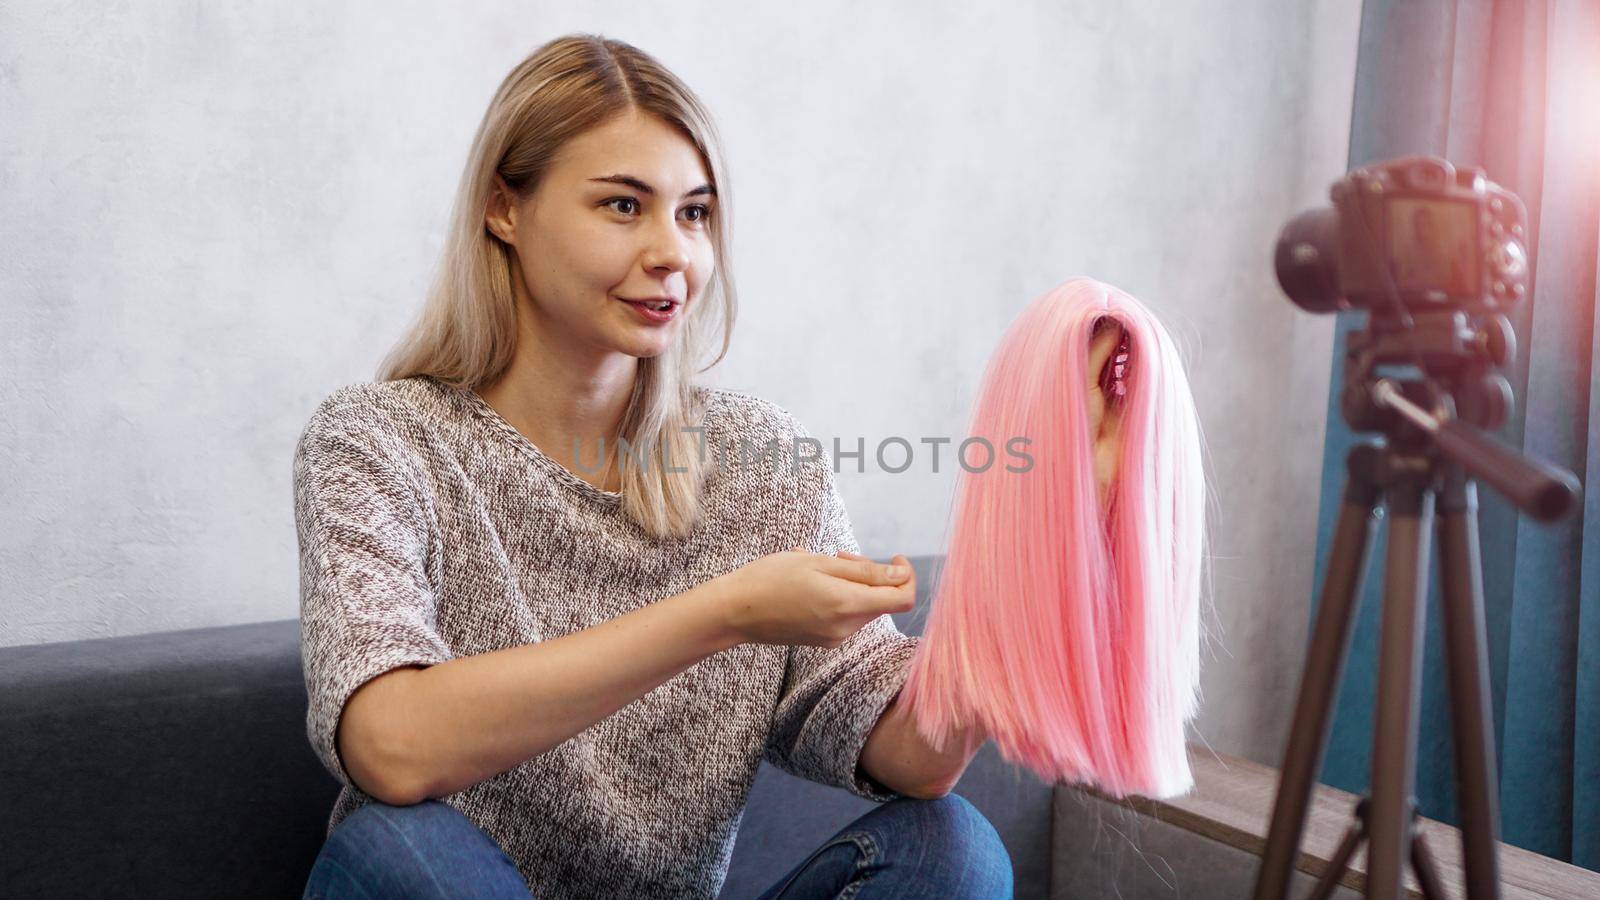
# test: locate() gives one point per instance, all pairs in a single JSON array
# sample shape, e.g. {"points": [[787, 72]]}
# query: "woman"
{"points": [[549, 629]]}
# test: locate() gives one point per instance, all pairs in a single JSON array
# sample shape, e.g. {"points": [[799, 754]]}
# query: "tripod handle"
{"points": [[1541, 490]]}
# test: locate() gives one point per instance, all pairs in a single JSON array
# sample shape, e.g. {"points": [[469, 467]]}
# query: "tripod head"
{"points": [[1456, 357]]}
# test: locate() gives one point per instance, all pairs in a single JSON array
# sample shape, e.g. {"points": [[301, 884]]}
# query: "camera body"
{"points": [[1416, 230]]}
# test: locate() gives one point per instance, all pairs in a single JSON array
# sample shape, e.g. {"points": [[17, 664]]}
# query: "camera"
{"points": [[1407, 236]]}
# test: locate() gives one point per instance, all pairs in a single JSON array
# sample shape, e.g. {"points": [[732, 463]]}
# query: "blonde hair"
{"points": [[465, 334]]}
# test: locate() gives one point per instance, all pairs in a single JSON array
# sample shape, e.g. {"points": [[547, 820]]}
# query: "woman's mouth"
{"points": [[655, 311]]}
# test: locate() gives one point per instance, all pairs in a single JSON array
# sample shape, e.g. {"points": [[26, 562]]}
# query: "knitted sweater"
{"points": [[430, 528]]}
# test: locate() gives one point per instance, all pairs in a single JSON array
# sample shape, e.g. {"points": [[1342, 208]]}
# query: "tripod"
{"points": [[1421, 466]]}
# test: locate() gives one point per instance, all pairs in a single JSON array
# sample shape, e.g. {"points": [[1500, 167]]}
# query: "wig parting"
{"points": [[1068, 627]]}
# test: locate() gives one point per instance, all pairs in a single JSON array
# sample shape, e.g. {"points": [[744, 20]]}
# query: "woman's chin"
{"points": [[643, 349]]}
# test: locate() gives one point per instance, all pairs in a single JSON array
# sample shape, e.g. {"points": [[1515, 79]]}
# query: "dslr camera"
{"points": [[1413, 234]]}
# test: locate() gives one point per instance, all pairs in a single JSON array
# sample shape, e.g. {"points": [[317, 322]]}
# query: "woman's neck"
{"points": [[556, 400]]}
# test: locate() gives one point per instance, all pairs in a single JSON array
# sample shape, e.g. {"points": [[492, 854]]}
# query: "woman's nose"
{"points": [[668, 249]]}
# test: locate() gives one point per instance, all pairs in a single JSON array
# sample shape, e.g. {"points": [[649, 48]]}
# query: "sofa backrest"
{"points": [[172, 764], [175, 764]]}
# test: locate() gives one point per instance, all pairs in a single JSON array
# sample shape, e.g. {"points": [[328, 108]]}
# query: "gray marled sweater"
{"points": [[430, 528]]}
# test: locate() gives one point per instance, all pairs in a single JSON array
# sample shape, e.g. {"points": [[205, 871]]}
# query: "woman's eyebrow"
{"points": [[640, 186]]}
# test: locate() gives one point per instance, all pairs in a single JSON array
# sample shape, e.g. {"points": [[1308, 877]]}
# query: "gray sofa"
{"points": [[175, 764]]}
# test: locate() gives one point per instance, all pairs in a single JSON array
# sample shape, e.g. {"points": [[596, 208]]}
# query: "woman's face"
{"points": [[624, 213]]}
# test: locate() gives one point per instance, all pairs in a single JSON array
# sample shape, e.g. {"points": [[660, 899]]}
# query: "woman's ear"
{"points": [[500, 213]]}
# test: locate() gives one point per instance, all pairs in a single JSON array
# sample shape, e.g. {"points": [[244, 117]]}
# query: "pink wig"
{"points": [[1071, 631]]}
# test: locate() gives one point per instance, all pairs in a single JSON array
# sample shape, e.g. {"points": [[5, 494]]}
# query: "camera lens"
{"points": [[1307, 261]]}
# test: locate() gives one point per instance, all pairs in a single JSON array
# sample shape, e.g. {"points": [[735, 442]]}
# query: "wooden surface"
{"points": [[1232, 803]]}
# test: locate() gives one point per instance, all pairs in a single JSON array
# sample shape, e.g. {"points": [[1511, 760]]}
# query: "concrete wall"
{"points": [[213, 217]]}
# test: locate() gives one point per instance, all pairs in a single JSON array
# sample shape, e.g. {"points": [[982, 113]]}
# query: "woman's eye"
{"points": [[704, 210]]}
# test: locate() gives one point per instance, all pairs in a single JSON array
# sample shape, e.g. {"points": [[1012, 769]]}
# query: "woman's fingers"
{"points": [[860, 569], [885, 592]]}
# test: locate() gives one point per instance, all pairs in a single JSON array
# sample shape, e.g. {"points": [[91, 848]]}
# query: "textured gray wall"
{"points": [[213, 217]]}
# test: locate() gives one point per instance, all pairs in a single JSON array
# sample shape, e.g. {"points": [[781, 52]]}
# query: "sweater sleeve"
{"points": [[832, 697], [366, 602]]}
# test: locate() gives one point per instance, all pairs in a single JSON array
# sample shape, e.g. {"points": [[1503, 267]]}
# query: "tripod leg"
{"points": [[1399, 675], [1340, 862], [1427, 872], [1460, 570], [1330, 644]]}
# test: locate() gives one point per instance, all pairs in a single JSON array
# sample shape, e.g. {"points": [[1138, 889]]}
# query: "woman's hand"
{"points": [[1108, 361], [799, 597]]}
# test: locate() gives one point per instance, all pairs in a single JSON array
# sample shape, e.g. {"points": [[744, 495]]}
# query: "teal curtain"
{"points": [[1513, 87]]}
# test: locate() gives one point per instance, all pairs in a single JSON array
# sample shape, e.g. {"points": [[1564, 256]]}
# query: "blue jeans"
{"points": [[902, 848]]}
